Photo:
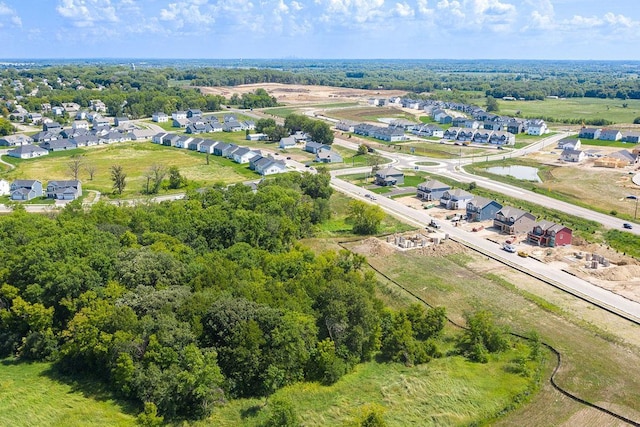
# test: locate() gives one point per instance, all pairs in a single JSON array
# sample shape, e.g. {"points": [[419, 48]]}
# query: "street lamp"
{"points": [[632, 197]]}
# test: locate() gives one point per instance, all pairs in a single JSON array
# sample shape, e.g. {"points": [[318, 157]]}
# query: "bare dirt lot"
{"points": [[297, 94]]}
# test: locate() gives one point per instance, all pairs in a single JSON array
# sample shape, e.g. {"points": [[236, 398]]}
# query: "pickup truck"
{"points": [[434, 224]]}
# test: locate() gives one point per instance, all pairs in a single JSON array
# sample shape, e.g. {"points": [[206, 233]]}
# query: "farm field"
{"points": [[575, 109], [135, 158]]}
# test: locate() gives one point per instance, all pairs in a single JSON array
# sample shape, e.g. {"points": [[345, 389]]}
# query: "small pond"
{"points": [[526, 173]]}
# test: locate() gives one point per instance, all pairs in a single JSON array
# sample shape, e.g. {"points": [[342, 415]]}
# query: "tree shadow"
{"points": [[91, 387], [251, 411]]}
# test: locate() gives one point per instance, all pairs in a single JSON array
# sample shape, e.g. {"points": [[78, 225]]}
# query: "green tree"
{"points": [[154, 176], [362, 150], [364, 217], [6, 128], [176, 180], [119, 179], [149, 417], [262, 124], [492, 104], [282, 414]]}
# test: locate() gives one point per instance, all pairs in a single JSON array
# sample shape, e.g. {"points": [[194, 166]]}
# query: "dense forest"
{"points": [[181, 306]]}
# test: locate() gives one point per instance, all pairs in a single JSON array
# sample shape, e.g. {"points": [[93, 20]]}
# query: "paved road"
{"points": [[581, 288]]}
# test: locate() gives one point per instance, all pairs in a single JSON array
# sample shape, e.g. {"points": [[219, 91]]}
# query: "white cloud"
{"points": [[403, 10], [423, 7], [197, 12], [296, 6], [450, 9], [358, 11], [9, 15], [86, 13], [493, 14]]}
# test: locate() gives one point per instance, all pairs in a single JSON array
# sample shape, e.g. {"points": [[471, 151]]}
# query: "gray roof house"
{"points": [[569, 144], [327, 156], [64, 190], [287, 142], [208, 146], [17, 139], [432, 190], [482, 209], [27, 152], [610, 135], [59, 145], [389, 176], [455, 199], [25, 189], [511, 220], [313, 147], [242, 155]]}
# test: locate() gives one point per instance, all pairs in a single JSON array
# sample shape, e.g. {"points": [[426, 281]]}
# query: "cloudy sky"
{"points": [[421, 29]]}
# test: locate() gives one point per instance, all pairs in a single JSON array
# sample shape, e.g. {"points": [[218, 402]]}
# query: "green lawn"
{"points": [[575, 109], [445, 392], [135, 158], [30, 395]]}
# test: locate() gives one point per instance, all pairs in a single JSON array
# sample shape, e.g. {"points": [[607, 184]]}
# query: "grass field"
{"points": [[596, 361], [369, 114], [30, 395], [575, 109], [135, 158]]}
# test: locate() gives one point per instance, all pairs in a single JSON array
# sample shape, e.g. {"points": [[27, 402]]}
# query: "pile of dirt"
{"points": [[448, 247], [619, 273], [373, 247]]}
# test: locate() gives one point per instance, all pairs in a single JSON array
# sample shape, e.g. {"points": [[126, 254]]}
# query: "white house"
{"points": [[160, 117], [179, 115], [27, 151], [537, 127], [570, 155], [80, 124]]}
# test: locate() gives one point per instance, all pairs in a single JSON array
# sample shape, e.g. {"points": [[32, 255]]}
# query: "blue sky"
{"points": [[421, 29]]}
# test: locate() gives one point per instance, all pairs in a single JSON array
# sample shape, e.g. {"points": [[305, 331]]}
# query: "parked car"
{"points": [[627, 226], [509, 248], [434, 224]]}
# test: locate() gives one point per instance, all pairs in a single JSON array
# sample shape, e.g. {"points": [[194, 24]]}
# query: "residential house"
{"points": [[549, 234], [471, 123], [452, 133], [25, 189], [537, 127], [345, 126], [242, 155], [633, 137], [119, 121], [85, 140], [389, 134], [183, 142], [289, 142], [248, 125], [267, 165], [179, 115], [160, 117], [59, 145], [180, 123], [442, 116], [428, 131], [482, 209], [589, 133], [100, 122], [455, 198], [610, 135], [482, 136], [511, 220], [70, 107], [208, 146], [194, 113], [15, 140], [228, 151], [461, 122], [64, 190], [502, 138], [569, 144], [27, 151], [327, 156], [5, 188], [157, 138], [81, 115], [170, 139], [432, 190], [36, 118], [232, 126], [196, 143], [80, 124], [300, 136], [57, 111], [574, 156], [515, 126], [389, 176], [256, 137], [313, 147], [220, 147], [196, 128], [625, 156], [98, 105], [51, 126]]}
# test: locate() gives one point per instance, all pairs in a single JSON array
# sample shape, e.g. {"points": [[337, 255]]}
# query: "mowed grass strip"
{"points": [[30, 397], [135, 158]]}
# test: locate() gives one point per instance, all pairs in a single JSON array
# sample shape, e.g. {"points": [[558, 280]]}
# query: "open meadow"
{"points": [[135, 158]]}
